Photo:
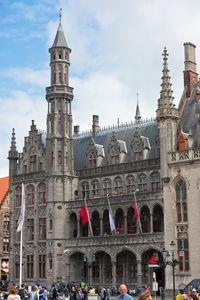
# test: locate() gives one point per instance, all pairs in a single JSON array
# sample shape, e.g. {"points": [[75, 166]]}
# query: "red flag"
{"points": [[153, 259], [135, 210], [83, 214]]}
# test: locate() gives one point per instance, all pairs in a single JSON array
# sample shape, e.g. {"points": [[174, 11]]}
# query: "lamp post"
{"points": [[173, 263]]}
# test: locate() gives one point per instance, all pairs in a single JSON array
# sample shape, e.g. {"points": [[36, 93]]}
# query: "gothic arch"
{"points": [[180, 177], [124, 248]]}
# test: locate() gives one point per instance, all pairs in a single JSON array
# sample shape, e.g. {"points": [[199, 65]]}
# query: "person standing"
{"points": [[13, 293], [108, 291], [123, 293], [54, 292], [103, 293]]}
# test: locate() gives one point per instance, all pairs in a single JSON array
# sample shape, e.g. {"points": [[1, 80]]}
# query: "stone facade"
{"points": [[103, 169], [4, 227]]}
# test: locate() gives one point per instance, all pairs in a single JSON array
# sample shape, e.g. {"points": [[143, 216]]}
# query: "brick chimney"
{"points": [[95, 125], [76, 130], [190, 74]]}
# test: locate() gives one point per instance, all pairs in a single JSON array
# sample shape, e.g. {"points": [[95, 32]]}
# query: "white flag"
{"points": [[112, 224], [22, 213]]}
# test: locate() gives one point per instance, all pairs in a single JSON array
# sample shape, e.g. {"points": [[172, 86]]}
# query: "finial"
{"points": [[137, 94], [60, 14]]}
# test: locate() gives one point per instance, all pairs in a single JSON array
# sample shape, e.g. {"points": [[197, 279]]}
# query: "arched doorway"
{"points": [[101, 269], [126, 268], [78, 268]]}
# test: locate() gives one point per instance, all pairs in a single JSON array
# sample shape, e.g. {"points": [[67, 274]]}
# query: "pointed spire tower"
{"points": [[137, 113], [13, 157], [166, 108], [166, 116], [59, 96]]}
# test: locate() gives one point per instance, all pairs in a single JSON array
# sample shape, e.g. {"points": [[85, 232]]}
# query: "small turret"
{"points": [[13, 157], [137, 113]]}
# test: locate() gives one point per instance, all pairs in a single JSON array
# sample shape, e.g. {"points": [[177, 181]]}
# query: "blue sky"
{"points": [[116, 53]]}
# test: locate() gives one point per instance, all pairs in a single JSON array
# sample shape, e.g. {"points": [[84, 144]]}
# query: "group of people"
{"points": [[189, 295]]}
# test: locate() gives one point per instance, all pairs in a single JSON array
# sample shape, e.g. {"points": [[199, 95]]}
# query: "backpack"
{"points": [[22, 293]]}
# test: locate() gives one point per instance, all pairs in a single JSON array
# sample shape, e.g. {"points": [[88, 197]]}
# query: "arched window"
{"points": [[142, 183], [85, 190], [73, 225], [145, 219], [181, 202], [184, 265], [106, 222], [107, 187], [130, 184], [92, 159], [114, 155], [157, 219], [95, 223], [118, 188], [131, 223], [30, 195], [42, 193], [119, 221], [18, 196], [155, 182], [95, 189]]}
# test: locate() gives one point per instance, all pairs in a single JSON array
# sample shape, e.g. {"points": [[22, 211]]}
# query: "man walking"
{"points": [[123, 293]]}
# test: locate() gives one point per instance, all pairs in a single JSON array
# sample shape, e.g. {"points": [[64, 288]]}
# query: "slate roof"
{"points": [[60, 40], [149, 130], [188, 118], [4, 185]]}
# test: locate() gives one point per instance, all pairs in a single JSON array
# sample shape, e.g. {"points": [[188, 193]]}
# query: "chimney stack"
{"points": [[76, 130], [95, 125], [190, 75]]}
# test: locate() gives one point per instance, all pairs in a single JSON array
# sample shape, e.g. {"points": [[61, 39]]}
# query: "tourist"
{"points": [[13, 293], [123, 293], [145, 296]]}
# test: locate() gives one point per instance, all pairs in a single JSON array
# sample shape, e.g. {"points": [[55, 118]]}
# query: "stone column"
{"points": [[78, 227], [151, 223], [67, 271], [114, 274], [101, 226], [90, 273], [125, 224], [139, 273]]}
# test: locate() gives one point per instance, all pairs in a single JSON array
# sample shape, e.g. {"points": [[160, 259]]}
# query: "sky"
{"points": [[117, 50]]}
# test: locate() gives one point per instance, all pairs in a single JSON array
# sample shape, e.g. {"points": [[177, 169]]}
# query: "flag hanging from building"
{"points": [[83, 214], [135, 210], [152, 262], [22, 213], [112, 224]]}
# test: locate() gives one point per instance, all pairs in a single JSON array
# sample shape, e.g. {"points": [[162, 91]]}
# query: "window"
{"points": [[32, 163], [18, 196], [181, 202], [130, 184], [60, 56], [30, 195], [6, 222], [42, 229], [142, 183], [50, 261], [6, 245], [30, 268], [157, 219], [132, 270], [118, 189], [92, 160], [41, 167], [25, 169], [145, 219], [131, 223], [85, 190], [17, 270], [65, 78], [42, 266], [42, 193], [54, 78], [95, 189], [50, 224], [60, 77], [155, 182], [184, 266], [137, 156], [59, 157], [30, 229], [114, 156], [107, 187]]}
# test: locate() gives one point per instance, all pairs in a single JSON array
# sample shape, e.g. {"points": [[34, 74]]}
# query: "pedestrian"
{"points": [[23, 292], [103, 293], [34, 293], [54, 292], [85, 293], [145, 296], [108, 292], [123, 293], [13, 293], [1, 295], [41, 293]]}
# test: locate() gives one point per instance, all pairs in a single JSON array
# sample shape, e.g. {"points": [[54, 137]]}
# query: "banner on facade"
{"points": [[5, 265]]}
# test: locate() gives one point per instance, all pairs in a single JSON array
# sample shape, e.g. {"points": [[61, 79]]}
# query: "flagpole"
{"points": [[88, 216], [138, 214], [110, 209], [20, 262]]}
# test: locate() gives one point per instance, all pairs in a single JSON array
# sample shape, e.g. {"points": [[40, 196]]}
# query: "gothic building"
{"points": [[62, 169]]}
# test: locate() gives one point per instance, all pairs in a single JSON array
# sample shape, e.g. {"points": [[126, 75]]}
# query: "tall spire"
{"points": [[166, 98], [60, 40], [137, 113], [13, 149]]}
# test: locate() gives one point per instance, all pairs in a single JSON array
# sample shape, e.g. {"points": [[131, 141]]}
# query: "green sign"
{"points": [[50, 243]]}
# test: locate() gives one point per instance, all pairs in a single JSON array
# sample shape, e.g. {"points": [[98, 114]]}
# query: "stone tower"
{"points": [[59, 152], [190, 74], [167, 116]]}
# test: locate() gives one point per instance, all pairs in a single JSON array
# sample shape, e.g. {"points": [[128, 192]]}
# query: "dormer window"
{"points": [[92, 160], [114, 156]]}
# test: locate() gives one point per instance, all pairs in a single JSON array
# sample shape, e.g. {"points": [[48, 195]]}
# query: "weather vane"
{"points": [[60, 15]]}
